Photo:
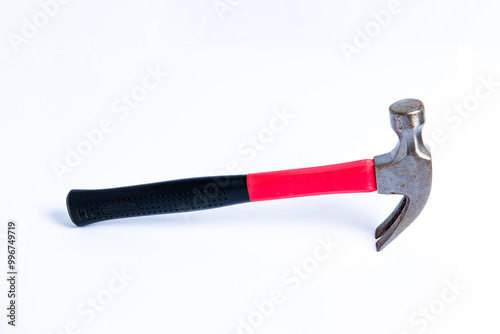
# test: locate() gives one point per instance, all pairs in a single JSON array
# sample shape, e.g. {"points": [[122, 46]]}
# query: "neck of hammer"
{"points": [[410, 144]]}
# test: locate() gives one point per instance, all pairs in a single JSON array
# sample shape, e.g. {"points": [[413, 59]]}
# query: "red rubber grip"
{"points": [[350, 177]]}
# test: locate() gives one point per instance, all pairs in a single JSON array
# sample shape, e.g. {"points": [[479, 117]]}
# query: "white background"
{"points": [[228, 73]]}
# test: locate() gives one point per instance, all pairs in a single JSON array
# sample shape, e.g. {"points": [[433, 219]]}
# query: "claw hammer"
{"points": [[406, 170]]}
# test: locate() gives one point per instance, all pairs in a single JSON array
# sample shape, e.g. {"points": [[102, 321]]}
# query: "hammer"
{"points": [[406, 170]]}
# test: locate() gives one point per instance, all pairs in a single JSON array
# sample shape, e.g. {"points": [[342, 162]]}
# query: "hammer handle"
{"points": [[91, 206]]}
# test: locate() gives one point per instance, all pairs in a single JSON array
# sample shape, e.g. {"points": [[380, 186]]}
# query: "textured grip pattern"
{"points": [[91, 206]]}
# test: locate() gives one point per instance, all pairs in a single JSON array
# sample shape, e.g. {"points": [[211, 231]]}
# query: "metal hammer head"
{"points": [[406, 170]]}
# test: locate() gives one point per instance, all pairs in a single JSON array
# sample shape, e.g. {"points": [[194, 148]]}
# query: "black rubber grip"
{"points": [[91, 206]]}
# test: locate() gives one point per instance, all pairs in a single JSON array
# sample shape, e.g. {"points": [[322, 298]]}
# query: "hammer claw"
{"points": [[393, 225], [389, 221]]}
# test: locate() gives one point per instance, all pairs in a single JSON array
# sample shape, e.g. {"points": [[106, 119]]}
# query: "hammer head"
{"points": [[406, 170]]}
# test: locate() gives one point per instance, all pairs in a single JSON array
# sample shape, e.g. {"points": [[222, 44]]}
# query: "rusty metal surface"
{"points": [[406, 170]]}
